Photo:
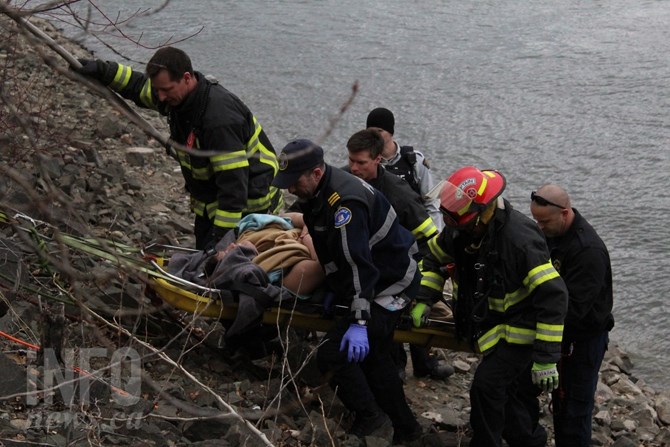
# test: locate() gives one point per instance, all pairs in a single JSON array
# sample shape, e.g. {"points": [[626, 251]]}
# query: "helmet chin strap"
{"points": [[483, 219], [486, 215]]}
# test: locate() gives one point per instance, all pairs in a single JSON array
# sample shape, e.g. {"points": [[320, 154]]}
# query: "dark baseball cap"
{"points": [[295, 159]]}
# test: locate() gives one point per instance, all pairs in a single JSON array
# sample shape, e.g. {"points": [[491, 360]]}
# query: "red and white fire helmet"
{"points": [[467, 192]]}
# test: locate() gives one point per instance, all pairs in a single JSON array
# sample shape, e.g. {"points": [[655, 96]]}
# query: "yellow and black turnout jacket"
{"points": [[504, 289], [237, 180]]}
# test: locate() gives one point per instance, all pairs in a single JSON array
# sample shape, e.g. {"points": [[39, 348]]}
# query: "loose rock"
{"points": [[87, 170]]}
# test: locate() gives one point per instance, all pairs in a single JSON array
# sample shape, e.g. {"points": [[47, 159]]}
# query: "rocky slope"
{"points": [[73, 162]]}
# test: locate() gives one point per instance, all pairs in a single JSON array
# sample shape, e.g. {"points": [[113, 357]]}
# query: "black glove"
{"points": [[328, 300], [94, 68], [215, 235]]}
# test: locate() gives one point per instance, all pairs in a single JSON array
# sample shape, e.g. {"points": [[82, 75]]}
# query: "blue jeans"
{"points": [[578, 380]]}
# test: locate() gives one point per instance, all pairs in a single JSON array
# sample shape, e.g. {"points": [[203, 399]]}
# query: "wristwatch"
{"points": [[362, 322], [210, 252]]}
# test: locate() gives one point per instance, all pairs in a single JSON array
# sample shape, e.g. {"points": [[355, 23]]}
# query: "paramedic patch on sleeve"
{"points": [[342, 217]]}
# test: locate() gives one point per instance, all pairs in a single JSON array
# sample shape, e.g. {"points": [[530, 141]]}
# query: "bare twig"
{"points": [[189, 375], [332, 122], [119, 103]]}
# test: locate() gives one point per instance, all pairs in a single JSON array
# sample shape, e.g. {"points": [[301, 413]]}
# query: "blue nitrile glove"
{"points": [[419, 314], [545, 376], [357, 339]]}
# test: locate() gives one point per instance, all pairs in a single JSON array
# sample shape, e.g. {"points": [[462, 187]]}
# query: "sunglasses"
{"points": [[542, 201], [153, 64]]}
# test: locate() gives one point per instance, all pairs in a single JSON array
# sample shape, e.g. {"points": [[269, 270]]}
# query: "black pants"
{"points": [[422, 362], [202, 229], [573, 400], [373, 384], [504, 400]]}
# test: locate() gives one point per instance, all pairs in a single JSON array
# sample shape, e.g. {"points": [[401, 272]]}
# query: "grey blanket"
{"points": [[239, 279]]}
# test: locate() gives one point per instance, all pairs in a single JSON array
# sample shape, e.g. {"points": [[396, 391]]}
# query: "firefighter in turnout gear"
{"points": [[235, 177], [509, 300]]}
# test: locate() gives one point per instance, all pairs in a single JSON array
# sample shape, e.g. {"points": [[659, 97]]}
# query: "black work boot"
{"points": [[408, 436], [373, 423], [438, 370], [441, 371]]}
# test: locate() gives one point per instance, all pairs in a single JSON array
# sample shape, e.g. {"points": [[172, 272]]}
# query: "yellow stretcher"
{"points": [[439, 334], [182, 294]]}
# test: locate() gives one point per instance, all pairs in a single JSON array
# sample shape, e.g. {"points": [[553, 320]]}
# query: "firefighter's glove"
{"points": [[545, 376], [355, 340], [210, 248], [419, 314], [93, 68], [214, 237]]}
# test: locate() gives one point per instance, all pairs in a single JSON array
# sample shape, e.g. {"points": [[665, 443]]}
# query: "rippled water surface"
{"points": [[571, 92]]}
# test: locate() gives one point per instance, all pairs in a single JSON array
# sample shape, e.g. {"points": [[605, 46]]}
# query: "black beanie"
{"points": [[382, 118]]}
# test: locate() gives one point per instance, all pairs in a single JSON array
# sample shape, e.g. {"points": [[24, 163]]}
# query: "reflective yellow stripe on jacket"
{"points": [[228, 219], [254, 146], [121, 78], [264, 203], [430, 279], [433, 280], [535, 277], [545, 332], [220, 218], [425, 230], [227, 161]]}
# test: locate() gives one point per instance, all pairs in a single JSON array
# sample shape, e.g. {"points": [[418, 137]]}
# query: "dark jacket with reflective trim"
{"points": [[527, 299], [582, 259], [408, 206], [233, 184], [366, 256]]}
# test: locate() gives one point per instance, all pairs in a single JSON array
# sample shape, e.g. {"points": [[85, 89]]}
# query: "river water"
{"points": [[572, 92]]}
